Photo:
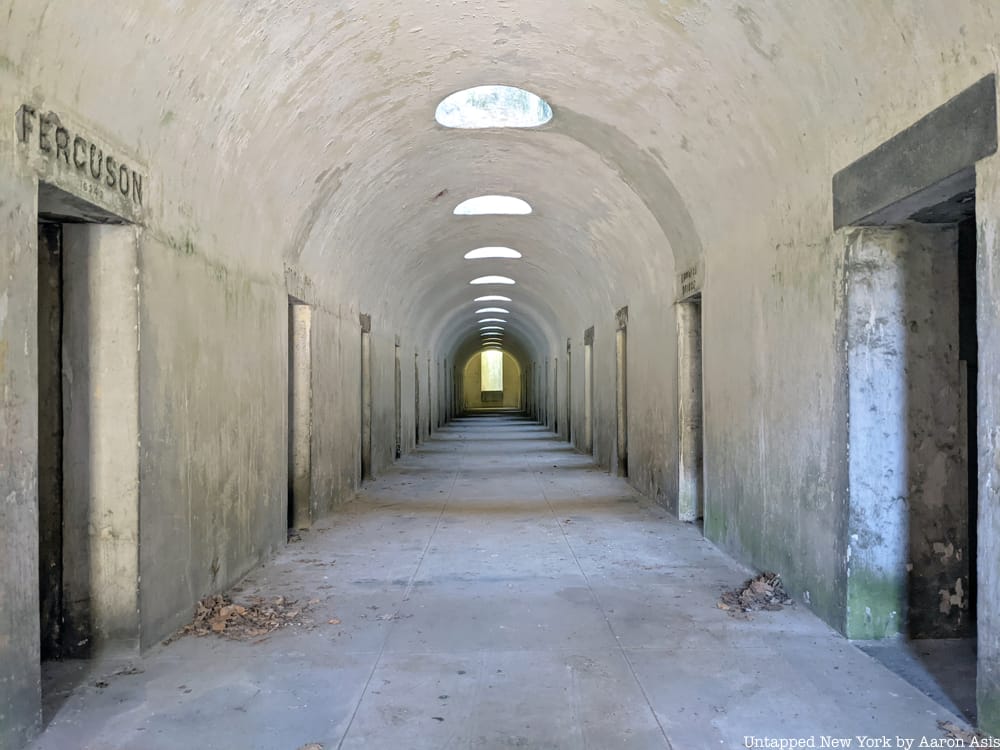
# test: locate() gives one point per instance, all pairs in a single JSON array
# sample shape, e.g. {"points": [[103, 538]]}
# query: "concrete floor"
{"points": [[495, 590], [944, 669]]}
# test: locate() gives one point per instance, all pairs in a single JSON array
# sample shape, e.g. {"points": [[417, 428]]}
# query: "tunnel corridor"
{"points": [[494, 589], [506, 336]]}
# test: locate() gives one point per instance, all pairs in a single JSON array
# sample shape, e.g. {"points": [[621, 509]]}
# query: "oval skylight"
{"points": [[493, 280], [492, 298], [493, 205], [493, 107], [492, 320], [492, 252], [485, 310], [491, 328]]}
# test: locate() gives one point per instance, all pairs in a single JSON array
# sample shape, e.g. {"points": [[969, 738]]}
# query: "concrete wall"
{"points": [[988, 323], [20, 706], [260, 191]]}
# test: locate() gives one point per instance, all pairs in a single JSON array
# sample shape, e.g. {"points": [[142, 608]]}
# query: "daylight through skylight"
{"points": [[493, 280], [493, 205], [492, 298], [492, 252], [493, 107], [485, 310]]}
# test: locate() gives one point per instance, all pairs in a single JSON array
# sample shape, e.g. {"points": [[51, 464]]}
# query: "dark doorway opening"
{"points": [[50, 438], [87, 444], [921, 277], [398, 379]]}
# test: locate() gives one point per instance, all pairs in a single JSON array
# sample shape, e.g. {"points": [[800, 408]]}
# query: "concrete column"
{"points": [[621, 391], [547, 390], [555, 395], [908, 492], [366, 398], [988, 325], [569, 391], [416, 397], [690, 499], [588, 391], [101, 438], [299, 415]]}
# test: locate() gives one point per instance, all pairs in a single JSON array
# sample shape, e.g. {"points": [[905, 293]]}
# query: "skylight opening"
{"points": [[492, 328], [492, 320], [492, 252], [492, 280], [492, 298], [493, 107], [493, 205], [486, 310]]}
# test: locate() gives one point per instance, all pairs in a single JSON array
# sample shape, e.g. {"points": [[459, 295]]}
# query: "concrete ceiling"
{"points": [[669, 117]]}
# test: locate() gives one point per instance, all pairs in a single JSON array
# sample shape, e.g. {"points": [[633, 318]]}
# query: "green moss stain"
{"points": [[988, 707], [875, 605]]}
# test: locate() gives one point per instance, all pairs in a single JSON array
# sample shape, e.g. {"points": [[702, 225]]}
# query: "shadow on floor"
{"points": [[942, 669]]}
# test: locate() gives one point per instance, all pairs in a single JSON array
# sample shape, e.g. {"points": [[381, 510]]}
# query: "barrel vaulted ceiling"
{"points": [[304, 131]]}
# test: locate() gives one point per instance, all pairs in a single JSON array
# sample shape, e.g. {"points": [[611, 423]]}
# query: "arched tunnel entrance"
{"points": [[491, 380]]}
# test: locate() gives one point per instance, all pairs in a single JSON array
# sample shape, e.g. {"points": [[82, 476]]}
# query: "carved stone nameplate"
{"points": [[689, 282], [80, 164]]}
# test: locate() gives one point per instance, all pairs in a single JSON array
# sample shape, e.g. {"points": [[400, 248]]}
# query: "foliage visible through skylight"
{"points": [[486, 205], [493, 107]]}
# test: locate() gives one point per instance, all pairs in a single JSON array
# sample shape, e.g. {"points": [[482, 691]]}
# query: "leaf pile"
{"points": [[954, 732], [765, 592], [218, 615]]}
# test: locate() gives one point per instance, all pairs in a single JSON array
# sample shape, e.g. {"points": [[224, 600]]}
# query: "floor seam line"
{"points": [[604, 614], [406, 594]]}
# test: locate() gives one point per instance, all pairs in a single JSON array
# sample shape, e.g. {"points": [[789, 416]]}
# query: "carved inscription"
{"points": [[56, 143], [690, 282]]}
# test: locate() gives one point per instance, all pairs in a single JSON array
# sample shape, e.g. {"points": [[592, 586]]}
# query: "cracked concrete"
{"points": [[494, 589]]}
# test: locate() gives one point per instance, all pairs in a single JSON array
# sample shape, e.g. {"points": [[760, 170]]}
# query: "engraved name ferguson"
{"points": [[57, 143]]}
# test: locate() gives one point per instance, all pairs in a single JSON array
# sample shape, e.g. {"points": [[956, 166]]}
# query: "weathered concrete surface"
{"points": [[497, 587], [100, 370], [303, 159], [908, 561], [988, 326], [690, 413], [20, 713], [878, 188], [300, 415], [213, 425]]}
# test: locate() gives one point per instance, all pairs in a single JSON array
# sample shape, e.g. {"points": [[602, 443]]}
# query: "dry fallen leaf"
{"points": [[956, 732], [334, 621]]}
